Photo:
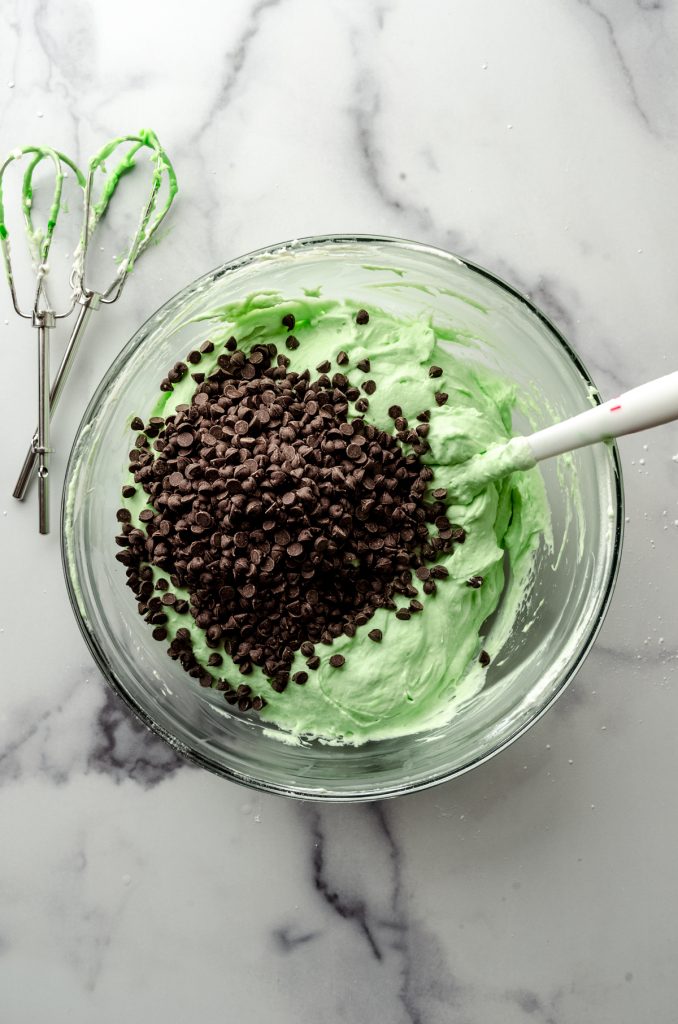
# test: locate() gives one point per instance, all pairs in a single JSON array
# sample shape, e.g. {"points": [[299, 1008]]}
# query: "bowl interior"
{"points": [[572, 582]]}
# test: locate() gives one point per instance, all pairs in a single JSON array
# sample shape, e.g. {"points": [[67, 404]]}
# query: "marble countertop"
{"points": [[540, 140]]}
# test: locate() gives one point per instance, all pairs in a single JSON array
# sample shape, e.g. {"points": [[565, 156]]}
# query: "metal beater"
{"points": [[89, 298], [42, 315]]}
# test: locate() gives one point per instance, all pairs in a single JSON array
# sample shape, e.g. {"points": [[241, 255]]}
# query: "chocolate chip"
{"points": [[435, 371], [362, 316], [128, 491], [300, 678], [285, 522], [369, 387], [475, 582], [364, 365], [159, 633], [439, 493], [215, 660], [324, 367], [423, 572], [123, 515], [484, 659], [341, 358], [291, 342], [376, 635], [395, 412], [439, 572], [337, 660], [137, 423], [429, 587], [289, 321], [194, 357], [403, 614], [441, 397], [207, 346]]}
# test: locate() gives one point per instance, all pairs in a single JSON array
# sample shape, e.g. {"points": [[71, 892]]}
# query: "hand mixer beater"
{"points": [[42, 315]]}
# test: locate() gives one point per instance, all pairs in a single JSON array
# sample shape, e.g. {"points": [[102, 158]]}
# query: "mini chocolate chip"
{"points": [[128, 491], [403, 614], [324, 367], [215, 660], [395, 412], [289, 321], [364, 365], [362, 405], [159, 633], [369, 387], [362, 316], [341, 358], [300, 677], [337, 660], [423, 572], [441, 397], [429, 587], [123, 515], [291, 342], [439, 572], [137, 423], [207, 346], [484, 659], [376, 635], [439, 493], [475, 582], [313, 662], [435, 371]]}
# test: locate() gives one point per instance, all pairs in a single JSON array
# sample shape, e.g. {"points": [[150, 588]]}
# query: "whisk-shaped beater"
{"points": [[90, 299], [42, 315]]}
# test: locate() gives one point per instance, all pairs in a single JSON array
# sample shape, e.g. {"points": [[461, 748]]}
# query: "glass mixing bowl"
{"points": [[572, 583]]}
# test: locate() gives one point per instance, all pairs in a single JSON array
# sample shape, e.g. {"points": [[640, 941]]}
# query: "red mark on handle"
{"points": [[615, 408]]}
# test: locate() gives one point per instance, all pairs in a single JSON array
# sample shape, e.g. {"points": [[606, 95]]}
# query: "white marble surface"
{"points": [[540, 139]]}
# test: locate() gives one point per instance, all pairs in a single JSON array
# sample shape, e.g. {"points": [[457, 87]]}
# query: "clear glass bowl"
{"points": [[566, 603]]}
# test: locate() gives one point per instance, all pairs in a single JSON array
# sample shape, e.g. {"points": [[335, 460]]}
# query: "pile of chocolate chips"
{"points": [[288, 523]]}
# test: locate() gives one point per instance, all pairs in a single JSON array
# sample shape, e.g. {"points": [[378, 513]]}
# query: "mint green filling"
{"points": [[418, 675]]}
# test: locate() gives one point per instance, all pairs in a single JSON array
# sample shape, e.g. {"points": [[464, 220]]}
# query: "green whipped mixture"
{"points": [[418, 675]]}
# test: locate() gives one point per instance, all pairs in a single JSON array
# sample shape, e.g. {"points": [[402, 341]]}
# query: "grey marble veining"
{"points": [[540, 140]]}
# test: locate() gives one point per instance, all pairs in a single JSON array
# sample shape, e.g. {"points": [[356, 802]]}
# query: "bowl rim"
{"points": [[301, 792]]}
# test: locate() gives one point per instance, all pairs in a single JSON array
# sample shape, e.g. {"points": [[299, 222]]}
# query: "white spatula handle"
{"points": [[646, 406]]}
